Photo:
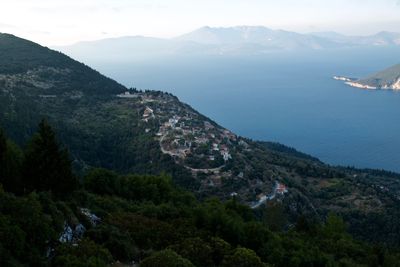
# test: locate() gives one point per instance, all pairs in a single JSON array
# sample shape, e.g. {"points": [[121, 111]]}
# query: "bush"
{"points": [[243, 257], [166, 258]]}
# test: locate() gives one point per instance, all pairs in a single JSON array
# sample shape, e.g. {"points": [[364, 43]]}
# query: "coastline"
{"points": [[354, 83]]}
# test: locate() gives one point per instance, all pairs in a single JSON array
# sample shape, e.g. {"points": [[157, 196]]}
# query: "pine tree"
{"points": [[47, 167], [3, 151], [10, 164]]}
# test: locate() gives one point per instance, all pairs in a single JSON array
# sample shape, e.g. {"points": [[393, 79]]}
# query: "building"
{"points": [[173, 121], [281, 189], [148, 112], [127, 94], [226, 155]]}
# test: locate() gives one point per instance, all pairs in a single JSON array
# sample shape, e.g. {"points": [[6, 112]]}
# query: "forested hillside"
{"points": [[105, 125], [50, 217]]}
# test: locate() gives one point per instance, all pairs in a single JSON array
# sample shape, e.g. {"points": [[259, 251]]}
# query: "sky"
{"points": [[62, 22]]}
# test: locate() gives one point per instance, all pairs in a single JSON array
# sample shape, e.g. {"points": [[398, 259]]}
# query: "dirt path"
{"points": [[205, 170]]}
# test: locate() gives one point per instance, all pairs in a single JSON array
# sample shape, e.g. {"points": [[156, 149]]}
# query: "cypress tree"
{"points": [[47, 167]]}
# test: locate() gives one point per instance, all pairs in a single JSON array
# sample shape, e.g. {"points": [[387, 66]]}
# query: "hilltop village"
{"points": [[201, 146], [227, 165]]}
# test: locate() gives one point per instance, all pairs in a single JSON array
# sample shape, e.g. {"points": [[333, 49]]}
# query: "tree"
{"points": [[302, 224], [275, 217], [10, 164], [118, 243], [25, 230], [166, 258], [102, 182], [334, 227], [86, 254], [47, 167], [3, 147], [196, 250], [243, 257]]}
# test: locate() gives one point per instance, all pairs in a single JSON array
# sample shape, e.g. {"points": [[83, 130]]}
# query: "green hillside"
{"points": [[383, 79], [107, 219], [103, 124]]}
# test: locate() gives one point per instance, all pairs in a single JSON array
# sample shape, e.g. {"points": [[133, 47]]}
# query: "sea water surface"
{"points": [[287, 97]]}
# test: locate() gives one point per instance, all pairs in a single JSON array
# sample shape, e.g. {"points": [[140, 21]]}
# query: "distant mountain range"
{"points": [[221, 41], [386, 79]]}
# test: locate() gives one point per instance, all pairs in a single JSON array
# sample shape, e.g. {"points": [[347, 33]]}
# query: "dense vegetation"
{"points": [[105, 131], [149, 220], [99, 129], [20, 56]]}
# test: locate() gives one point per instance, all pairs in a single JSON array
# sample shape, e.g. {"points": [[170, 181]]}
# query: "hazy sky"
{"points": [[54, 22]]}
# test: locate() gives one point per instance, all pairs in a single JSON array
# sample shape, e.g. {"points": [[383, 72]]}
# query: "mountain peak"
{"points": [[228, 35]]}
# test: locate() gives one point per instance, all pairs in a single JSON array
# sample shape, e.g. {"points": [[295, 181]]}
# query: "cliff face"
{"points": [[396, 85], [361, 85]]}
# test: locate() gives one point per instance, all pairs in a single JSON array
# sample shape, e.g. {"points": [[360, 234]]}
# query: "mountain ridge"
{"points": [[226, 41]]}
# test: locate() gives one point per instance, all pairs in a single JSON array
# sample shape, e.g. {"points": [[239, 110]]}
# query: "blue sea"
{"points": [[287, 97]]}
